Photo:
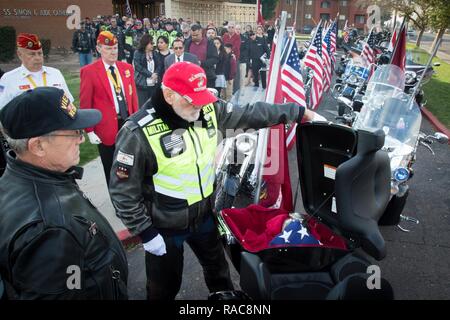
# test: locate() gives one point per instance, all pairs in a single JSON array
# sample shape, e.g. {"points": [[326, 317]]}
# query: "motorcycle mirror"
{"points": [[436, 64], [441, 138]]}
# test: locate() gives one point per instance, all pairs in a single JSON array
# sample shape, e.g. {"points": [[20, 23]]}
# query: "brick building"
{"points": [[309, 12], [57, 19]]}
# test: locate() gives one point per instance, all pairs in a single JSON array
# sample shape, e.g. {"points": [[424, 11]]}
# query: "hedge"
{"points": [[8, 43]]}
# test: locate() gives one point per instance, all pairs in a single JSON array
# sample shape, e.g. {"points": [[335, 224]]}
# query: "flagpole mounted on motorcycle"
{"points": [[261, 151]]}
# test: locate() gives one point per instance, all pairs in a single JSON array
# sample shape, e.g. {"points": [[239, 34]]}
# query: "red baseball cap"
{"points": [[28, 41], [189, 80]]}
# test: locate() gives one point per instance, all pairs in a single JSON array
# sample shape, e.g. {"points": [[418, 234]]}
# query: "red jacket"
{"points": [[95, 93], [235, 41]]}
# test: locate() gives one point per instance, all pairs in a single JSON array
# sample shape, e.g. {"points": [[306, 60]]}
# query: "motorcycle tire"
{"points": [[391, 215]]}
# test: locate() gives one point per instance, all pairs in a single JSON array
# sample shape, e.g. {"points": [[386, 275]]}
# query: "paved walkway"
{"points": [[94, 185]]}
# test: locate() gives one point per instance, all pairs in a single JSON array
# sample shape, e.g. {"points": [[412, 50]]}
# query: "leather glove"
{"points": [[93, 138], [156, 246]]}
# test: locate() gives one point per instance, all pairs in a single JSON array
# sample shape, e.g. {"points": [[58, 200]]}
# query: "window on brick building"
{"points": [[325, 16], [341, 17], [344, 3], [359, 18], [289, 2], [325, 5], [308, 16], [309, 2]]}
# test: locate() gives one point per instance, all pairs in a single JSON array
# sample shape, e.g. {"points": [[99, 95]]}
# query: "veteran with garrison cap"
{"points": [[108, 86], [54, 244], [32, 73]]}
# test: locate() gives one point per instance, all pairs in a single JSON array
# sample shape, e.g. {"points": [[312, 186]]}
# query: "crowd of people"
{"points": [[232, 58]]}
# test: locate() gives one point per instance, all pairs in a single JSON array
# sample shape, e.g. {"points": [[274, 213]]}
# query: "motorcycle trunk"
{"points": [[345, 185]]}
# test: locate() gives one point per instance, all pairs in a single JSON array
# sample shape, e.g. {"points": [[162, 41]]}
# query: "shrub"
{"points": [[8, 43]]}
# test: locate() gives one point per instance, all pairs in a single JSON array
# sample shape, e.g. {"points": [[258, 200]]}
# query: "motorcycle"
{"points": [[343, 197], [389, 108], [350, 88]]}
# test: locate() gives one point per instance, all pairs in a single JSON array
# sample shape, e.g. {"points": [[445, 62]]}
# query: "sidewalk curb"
{"points": [[435, 122], [127, 239]]}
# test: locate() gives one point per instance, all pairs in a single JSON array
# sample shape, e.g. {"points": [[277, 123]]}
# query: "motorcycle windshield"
{"points": [[387, 81], [398, 116], [417, 57]]}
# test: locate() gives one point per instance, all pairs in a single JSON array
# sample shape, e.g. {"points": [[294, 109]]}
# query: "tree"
{"points": [[440, 18], [416, 11], [268, 8]]}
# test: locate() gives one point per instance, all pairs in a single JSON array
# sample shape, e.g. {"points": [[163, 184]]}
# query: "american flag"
{"points": [[128, 9], [346, 32], [333, 44], [292, 84], [295, 234], [368, 54], [314, 60], [326, 56]]}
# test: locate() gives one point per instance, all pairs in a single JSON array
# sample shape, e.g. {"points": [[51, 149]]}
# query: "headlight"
{"points": [[401, 174], [352, 79], [410, 77]]}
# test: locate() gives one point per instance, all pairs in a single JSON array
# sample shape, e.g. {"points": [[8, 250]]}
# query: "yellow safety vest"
{"points": [[185, 158]]}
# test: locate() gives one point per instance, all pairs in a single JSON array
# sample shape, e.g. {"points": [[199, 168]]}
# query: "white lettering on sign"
{"points": [[73, 21]]}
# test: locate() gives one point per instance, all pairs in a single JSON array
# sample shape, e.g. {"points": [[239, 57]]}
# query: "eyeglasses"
{"points": [[177, 48], [79, 134]]}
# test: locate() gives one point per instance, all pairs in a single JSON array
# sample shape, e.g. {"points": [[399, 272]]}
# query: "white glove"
{"points": [[93, 138], [156, 246], [318, 117]]}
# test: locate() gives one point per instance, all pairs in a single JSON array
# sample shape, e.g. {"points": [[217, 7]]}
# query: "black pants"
{"points": [[257, 74], [164, 273], [107, 155]]}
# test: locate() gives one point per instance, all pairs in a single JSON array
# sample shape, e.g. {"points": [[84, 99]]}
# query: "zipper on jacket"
{"points": [[196, 164]]}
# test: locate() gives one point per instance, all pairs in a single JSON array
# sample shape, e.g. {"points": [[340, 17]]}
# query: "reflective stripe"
{"points": [[145, 120], [189, 177], [194, 191], [206, 170], [168, 179], [209, 182], [170, 193]]}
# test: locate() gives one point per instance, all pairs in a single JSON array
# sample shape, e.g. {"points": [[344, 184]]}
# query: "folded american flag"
{"points": [[295, 234]]}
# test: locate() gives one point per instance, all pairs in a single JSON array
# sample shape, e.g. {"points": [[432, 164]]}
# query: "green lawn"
{"points": [[437, 90], [88, 151]]}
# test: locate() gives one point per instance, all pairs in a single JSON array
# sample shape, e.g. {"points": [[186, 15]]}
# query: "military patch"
{"points": [[127, 73], [125, 158], [122, 173], [172, 144]]}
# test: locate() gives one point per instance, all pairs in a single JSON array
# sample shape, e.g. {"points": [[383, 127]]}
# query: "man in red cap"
{"points": [[108, 85], [163, 174], [32, 73]]}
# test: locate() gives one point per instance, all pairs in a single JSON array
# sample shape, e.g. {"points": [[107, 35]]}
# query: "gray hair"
{"points": [[18, 145]]}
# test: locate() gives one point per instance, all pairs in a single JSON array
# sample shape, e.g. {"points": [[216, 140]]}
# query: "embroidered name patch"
{"points": [[125, 158]]}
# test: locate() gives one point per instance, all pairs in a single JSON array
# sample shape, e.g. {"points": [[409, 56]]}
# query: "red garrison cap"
{"points": [[28, 41], [106, 38]]}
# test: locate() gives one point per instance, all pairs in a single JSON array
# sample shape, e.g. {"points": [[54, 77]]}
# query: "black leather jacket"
{"points": [[140, 208], [48, 229]]}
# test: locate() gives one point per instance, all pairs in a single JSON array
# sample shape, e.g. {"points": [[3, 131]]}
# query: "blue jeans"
{"points": [[85, 58]]}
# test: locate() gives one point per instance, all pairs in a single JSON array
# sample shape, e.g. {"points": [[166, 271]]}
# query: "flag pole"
{"points": [[261, 150]]}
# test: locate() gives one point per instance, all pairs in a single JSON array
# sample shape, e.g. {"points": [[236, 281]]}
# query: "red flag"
{"points": [[260, 20], [399, 54]]}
